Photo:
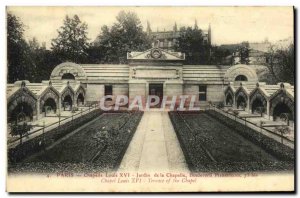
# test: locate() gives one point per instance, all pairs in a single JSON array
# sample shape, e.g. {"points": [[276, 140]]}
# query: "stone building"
{"points": [[153, 72], [270, 100], [167, 39]]}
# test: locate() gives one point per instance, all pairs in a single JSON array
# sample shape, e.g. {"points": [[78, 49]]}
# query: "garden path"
{"points": [[154, 146]]}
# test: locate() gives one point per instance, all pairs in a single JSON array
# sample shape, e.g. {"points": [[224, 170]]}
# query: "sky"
{"points": [[229, 24]]}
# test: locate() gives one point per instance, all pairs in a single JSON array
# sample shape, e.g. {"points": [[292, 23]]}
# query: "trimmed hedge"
{"points": [[38, 143], [273, 147]]}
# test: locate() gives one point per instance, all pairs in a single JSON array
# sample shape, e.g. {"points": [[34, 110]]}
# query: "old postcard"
{"points": [[150, 99]]}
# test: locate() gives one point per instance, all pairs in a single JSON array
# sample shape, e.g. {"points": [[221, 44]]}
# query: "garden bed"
{"points": [[210, 145], [38, 143], [100, 146], [281, 151]]}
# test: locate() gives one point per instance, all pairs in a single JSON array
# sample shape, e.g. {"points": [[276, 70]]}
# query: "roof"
{"points": [[268, 90], [204, 73], [106, 71], [33, 89], [37, 88], [262, 46], [75, 86], [11, 89], [61, 86], [256, 53]]}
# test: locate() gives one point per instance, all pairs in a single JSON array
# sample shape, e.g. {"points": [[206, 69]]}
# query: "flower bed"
{"points": [[100, 146], [209, 145]]}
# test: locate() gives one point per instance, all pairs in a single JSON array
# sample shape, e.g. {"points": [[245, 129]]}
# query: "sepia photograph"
{"points": [[150, 99]]}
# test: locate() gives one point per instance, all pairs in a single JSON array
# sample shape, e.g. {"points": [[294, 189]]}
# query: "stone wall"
{"points": [[94, 92], [137, 89], [120, 89], [173, 89], [215, 93]]}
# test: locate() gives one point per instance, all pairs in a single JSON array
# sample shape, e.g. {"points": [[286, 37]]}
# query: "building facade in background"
{"points": [[153, 72], [168, 39]]}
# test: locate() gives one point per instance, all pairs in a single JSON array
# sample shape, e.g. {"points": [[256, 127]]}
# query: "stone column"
{"points": [[268, 109], [234, 102], [146, 94], [164, 89], [74, 101], [38, 109], [59, 104], [248, 104]]}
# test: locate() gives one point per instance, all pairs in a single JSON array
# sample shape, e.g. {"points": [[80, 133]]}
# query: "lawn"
{"points": [[100, 146], [210, 145]]}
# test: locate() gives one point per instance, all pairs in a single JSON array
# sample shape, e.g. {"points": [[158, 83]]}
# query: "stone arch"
{"points": [[68, 76], [80, 96], [80, 99], [229, 96], [49, 106], [67, 102], [241, 78], [233, 72], [258, 99], [68, 68], [281, 108], [281, 102], [67, 98], [22, 100], [49, 93], [229, 99], [241, 98]]}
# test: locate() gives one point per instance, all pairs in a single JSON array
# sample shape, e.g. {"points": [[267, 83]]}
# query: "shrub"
{"points": [[220, 105]]}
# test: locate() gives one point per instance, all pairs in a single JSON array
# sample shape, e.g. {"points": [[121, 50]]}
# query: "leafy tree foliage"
{"points": [[220, 56], [244, 53], [124, 36], [26, 60], [71, 43], [281, 64], [18, 59], [191, 42], [43, 60]]}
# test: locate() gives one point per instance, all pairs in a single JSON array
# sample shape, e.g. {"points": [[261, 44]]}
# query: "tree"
{"points": [[71, 43], [191, 42], [43, 60], [221, 56], [20, 130], [18, 59], [124, 36], [244, 53], [281, 65]]}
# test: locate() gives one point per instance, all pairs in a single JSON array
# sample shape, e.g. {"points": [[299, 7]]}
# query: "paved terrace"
{"points": [[51, 122], [268, 124], [154, 146]]}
